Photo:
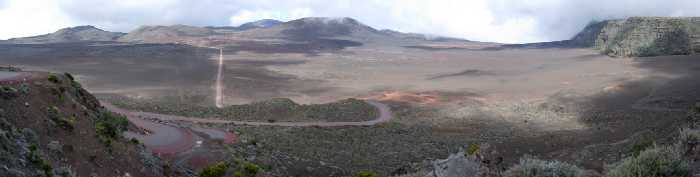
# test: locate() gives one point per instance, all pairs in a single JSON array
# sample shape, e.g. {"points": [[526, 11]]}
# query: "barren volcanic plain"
{"points": [[564, 102]]}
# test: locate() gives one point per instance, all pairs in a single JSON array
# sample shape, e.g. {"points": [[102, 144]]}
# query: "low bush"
{"points": [[251, 169], [67, 123], [53, 113], [69, 76], [7, 92], [694, 116], [640, 146], [653, 162], [530, 167], [472, 149], [216, 170], [364, 174], [110, 126], [24, 88], [688, 140], [134, 141], [54, 79], [37, 159]]}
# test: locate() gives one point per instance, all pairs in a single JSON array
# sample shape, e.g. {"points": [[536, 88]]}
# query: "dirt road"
{"points": [[384, 116], [219, 84]]}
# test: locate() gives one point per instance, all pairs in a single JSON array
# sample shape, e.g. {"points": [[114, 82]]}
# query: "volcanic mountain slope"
{"points": [[168, 34], [643, 36], [266, 32], [74, 34], [312, 31], [51, 126], [420, 36], [264, 23], [313, 28], [635, 37]]}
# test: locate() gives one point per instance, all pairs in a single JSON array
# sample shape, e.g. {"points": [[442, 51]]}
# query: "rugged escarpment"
{"points": [[642, 36], [51, 126]]}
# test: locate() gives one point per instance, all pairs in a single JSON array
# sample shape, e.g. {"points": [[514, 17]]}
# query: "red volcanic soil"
{"points": [[423, 98], [407, 97]]}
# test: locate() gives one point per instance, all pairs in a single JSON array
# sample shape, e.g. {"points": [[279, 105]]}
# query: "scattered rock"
{"points": [[64, 172], [457, 165], [55, 146]]}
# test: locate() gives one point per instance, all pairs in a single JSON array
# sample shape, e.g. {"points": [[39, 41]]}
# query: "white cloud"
{"points": [[245, 16], [31, 17], [483, 20]]}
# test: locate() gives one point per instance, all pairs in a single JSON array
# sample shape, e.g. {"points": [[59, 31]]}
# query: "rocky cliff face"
{"points": [[643, 36]]}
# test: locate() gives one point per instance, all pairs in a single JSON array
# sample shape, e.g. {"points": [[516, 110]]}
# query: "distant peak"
{"points": [[339, 20], [81, 28], [264, 23]]}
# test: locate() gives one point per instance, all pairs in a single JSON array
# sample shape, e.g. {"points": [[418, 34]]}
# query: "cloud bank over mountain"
{"points": [[510, 21]]}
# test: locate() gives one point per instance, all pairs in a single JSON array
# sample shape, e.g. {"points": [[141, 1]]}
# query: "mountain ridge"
{"points": [[71, 34]]}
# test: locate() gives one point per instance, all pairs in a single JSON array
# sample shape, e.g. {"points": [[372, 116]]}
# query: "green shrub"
{"points": [[54, 79], [640, 146], [364, 174], [106, 130], [472, 149], [530, 167], [694, 116], [7, 92], [35, 158], [238, 174], [53, 113], [654, 162], [67, 123], [134, 141], [24, 88], [251, 169], [69, 76], [216, 170], [688, 140], [110, 126], [76, 84]]}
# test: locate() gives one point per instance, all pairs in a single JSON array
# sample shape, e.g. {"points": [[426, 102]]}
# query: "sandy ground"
{"points": [[465, 82]]}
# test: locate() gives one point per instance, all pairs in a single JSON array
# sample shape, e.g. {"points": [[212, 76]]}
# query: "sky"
{"points": [[505, 21]]}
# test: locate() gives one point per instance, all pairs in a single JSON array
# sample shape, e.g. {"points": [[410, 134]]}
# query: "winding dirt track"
{"points": [[384, 116]]}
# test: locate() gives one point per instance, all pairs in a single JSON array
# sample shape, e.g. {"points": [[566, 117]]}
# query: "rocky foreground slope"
{"points": [[51, 126], [642, 36]]}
